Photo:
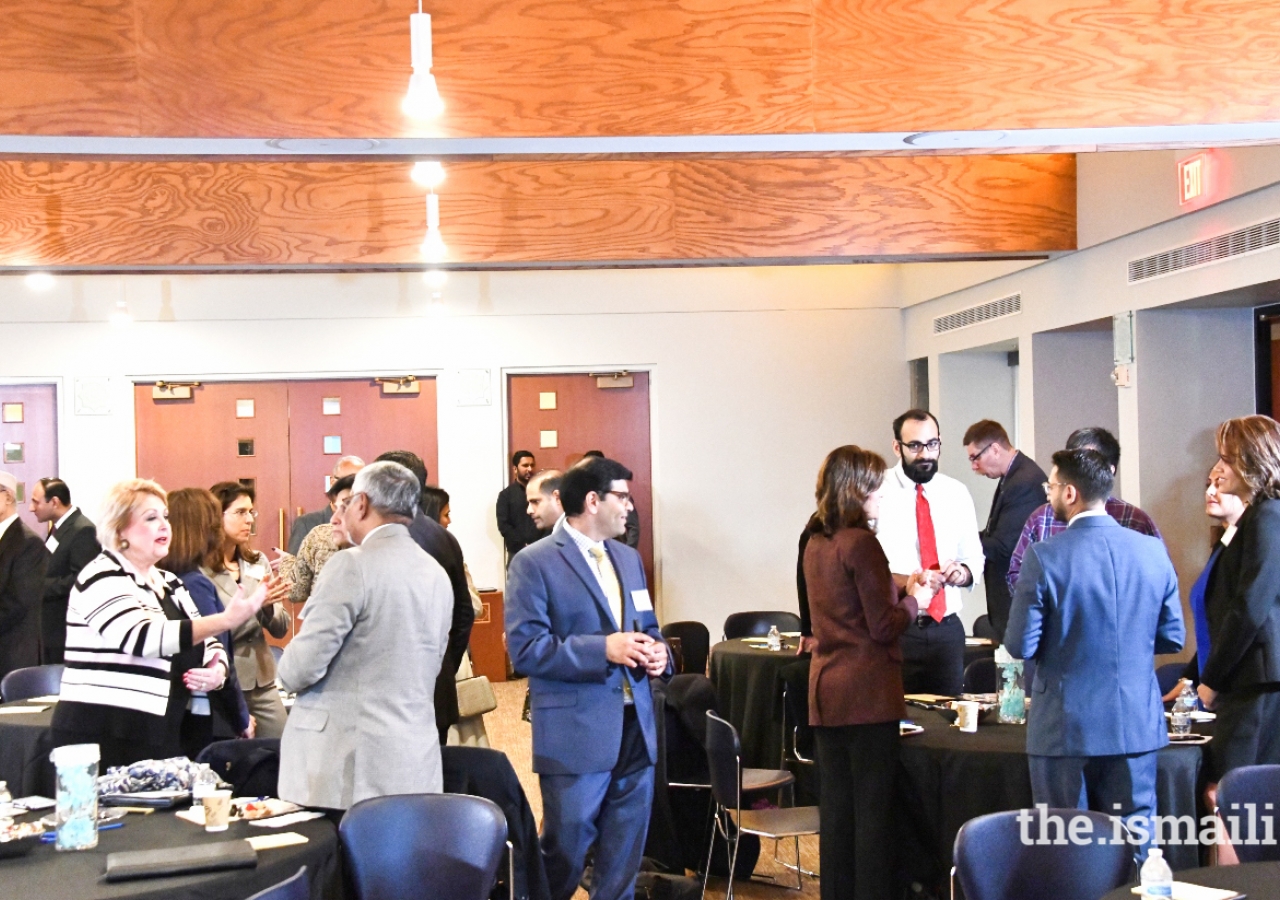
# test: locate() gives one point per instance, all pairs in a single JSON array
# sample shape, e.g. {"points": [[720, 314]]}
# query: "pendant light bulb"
{"points": [[428, 173], [423, 98]]}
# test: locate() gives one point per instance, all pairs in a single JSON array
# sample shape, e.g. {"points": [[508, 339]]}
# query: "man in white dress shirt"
{"points": [[927, 522]]}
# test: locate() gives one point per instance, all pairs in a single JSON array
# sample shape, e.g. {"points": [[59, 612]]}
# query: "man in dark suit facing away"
{"points": [[72, 543], [22, 563], [1019, 492]]}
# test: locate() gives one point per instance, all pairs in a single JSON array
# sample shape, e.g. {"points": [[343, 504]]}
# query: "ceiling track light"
{"points": [[422, 101]]}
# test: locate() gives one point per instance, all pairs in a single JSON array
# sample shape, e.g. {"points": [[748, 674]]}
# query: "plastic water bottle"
{"points": [[1157, 878], [1180, 718], [775, 639]]}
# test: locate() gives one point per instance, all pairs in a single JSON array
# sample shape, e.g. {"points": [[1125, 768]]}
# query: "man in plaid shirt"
{"points": [[1041, 523]]}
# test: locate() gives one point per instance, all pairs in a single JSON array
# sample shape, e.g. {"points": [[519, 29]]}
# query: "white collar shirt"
{"points": [[955, 527], [4, 526], [51, 542], [586, 545], [1087, 514]]}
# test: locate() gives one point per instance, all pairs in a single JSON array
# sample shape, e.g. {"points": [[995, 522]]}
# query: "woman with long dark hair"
{"points": [[855, 681]]}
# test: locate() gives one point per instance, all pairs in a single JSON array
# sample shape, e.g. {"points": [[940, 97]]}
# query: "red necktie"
{"points": [[929, 552]]}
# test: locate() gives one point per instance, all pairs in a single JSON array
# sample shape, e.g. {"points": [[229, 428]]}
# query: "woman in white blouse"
{"points": [[137, 647]]}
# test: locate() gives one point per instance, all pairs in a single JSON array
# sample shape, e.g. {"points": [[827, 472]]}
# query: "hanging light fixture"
{"points": [[433, 247], [428, 173], [423, 98]]}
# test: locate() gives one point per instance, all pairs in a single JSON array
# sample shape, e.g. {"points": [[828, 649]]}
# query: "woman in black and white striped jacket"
{"points": [[137, 646]]}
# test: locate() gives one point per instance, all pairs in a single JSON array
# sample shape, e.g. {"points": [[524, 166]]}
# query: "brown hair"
{"points": [[1251, 446], [226, 493], [848, 476], [196, 519], [117, 511], [987, 432]]}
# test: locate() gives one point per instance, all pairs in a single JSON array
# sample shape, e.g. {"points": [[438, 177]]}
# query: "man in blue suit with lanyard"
{"points": [[580, 624], [1093, 606]]}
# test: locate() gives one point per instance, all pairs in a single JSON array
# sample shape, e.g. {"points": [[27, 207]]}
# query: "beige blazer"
{"points": [[255, 666], [364, 665]]}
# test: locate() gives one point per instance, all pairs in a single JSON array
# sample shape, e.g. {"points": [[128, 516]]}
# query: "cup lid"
{"points": [[75, 755]]}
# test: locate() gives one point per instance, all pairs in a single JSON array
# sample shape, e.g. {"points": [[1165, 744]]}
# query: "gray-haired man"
{"points": [[365, 663]]}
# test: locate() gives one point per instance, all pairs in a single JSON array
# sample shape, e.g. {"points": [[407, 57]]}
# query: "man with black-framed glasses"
{"points": [[927, 523], [1018, 493]]}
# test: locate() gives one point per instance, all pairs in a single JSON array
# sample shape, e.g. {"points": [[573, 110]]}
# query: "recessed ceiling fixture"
{"points": [[948, 140], [423, 99], [428, 173]]}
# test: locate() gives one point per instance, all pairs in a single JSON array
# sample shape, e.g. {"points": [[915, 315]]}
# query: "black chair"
{"points": [[33, 681], [980, 677], [294, 888], [1169, 675], [724, 759], [982, 628], [757, 624], [695, 645], [993, 863], [1259, 785], [424, 845]]}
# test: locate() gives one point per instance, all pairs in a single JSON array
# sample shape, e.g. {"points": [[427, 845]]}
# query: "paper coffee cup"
{"points": [[967, 715], [217, 810]]}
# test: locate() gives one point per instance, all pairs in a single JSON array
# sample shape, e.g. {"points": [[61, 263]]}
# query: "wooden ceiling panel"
{"points": [[1007, 64], [67, 67], [573, 68], [135, 214]]}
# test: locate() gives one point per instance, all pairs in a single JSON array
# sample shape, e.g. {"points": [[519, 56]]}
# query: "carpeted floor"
{"points": [[509, 733]]}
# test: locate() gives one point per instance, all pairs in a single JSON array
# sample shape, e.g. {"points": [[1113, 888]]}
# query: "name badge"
{"points": [[256, 571], [640, 600]]}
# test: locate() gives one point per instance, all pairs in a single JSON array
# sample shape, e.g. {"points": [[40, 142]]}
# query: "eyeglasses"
{"points": [[243, 513], [932, 446], [1049, 484], [346, 501], [974, 457], [624, 496]]}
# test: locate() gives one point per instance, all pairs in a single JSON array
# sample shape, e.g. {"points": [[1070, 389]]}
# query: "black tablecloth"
{"points": [[951, 777], [47, 873], [25, 742], [750, 696], [1257, 881]]}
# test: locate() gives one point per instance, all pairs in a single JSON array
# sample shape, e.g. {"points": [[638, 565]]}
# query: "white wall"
{"points": [[756, 374], [1073, 386], [1122, 192], [973, 385]]}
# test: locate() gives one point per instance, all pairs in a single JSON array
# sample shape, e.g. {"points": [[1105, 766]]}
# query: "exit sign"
{"points": [[1193, 178]]}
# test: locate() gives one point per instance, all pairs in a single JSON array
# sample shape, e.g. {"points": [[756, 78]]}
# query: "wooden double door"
{"points": [[283, 437]]}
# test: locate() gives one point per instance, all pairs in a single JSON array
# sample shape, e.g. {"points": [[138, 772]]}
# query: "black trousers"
{"points": [[859, 765], [933, 656], [1247, 732]]}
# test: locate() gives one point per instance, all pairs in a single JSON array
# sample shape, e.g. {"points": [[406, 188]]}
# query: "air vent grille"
{"points": [[974, 315], [1262, 236]]}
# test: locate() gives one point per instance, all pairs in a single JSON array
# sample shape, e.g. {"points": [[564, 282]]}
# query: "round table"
{"points": [[45, 872], [1257, 881], [749, 694], [949, 777], [25, 742]]}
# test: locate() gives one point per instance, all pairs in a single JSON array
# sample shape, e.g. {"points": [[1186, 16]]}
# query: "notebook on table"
{"points": [[189, 860]]}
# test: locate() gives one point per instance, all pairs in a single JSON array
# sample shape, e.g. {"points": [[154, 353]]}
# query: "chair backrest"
{"points": [[34, 681], [430, 845], [724, 760], [757, 624], [993, 863], [983, 628], [795, 708], [980, 676], [1259, 785], [695, 644], [1168, 675], [293, 888]]}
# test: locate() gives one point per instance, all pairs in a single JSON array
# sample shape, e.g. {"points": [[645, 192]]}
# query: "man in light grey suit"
{"points": [[365, 663], [1093, 606]]}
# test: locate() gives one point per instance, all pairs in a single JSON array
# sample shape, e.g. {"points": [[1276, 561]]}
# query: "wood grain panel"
{"points": [[999, 64], [262, 214], [332, 68]]}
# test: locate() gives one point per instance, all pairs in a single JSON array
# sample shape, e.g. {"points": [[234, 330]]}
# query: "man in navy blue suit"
{"points": [[581, 625], [1093, 606]]}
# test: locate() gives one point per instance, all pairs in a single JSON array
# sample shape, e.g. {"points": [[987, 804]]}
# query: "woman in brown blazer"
{"points": [[855, 681]]}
